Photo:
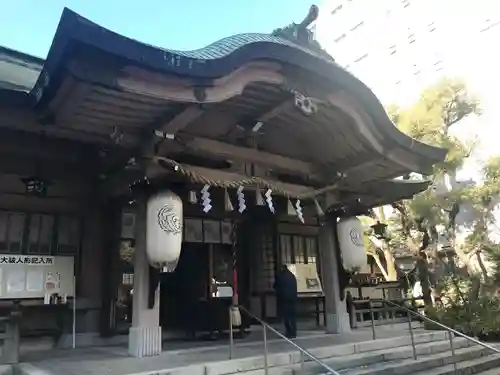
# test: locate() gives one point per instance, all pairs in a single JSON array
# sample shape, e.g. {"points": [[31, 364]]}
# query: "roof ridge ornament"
{"points": [[300, 33]]}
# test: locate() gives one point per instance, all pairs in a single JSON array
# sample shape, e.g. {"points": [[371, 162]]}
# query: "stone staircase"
{"points": [[385, 356], [392, 356]]}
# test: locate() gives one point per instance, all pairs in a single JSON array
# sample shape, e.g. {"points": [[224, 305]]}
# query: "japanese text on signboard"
{"points": [[23, 259]]}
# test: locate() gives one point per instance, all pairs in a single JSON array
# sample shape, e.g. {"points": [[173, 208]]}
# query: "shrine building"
{"points": [[145, 192]]}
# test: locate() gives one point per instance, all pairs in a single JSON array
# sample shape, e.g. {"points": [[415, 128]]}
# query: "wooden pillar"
{"points": [[337, 318], [111, 259], [145, 335]]}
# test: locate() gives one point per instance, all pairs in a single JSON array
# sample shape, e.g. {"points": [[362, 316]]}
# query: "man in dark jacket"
{"points": [[286, 293]]}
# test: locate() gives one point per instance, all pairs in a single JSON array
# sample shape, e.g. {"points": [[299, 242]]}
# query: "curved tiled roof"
{"points": [[230, 44], [217, 60]]}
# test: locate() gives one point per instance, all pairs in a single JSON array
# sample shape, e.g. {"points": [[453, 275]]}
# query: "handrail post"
{"points": [[450, 336], [304, 352], [231, 339], [411, 336], [373, 319], [448, 329], [266, 364]]}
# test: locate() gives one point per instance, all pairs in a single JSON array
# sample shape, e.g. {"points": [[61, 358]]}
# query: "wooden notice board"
{"points": [[34, 276], [308, 281]]}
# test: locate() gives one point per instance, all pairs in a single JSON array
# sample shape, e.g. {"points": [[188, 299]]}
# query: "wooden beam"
{"points": [[24, 166], [182, 120], [265, 117], [276, 111], [161, 87], [246, 154], [172, 126]]}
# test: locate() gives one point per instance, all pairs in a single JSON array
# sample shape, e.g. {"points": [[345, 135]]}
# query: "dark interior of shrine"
{"points": [[189, 298]]}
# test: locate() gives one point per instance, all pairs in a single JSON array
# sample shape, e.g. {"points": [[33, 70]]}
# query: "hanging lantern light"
{"points": [[164, 230], [352, 247], [380, 230]]}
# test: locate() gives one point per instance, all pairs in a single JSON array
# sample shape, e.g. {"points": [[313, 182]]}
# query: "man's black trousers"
{"points": [[290, 317]]}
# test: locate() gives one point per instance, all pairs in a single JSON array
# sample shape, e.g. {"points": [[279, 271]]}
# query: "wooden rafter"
{"points": [[172, 126], [246, 154]]}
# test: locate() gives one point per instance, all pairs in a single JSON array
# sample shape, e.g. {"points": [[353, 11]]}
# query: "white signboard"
{"points": [[32, 276], [307, 278]]}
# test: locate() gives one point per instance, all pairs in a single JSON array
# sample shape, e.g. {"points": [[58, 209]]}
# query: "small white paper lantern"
{"points": [[164, 230], [352, 246]]}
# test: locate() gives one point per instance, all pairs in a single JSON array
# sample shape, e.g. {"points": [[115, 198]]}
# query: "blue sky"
{"points": [[29, 25]]}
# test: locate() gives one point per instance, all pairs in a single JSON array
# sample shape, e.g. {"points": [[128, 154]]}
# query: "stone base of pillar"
{"points": [[338, 323], [144, 341]]}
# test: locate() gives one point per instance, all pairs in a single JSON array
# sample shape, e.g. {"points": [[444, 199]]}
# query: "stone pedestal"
{"points": [[144, 341], [338, 323], [145, 335], [337, 318]]}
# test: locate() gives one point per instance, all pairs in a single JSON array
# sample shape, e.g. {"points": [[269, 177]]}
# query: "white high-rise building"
{"points": [[399, 47]]}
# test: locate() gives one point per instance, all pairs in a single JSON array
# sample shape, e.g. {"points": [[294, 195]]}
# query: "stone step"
{"points": [[372, 345], [494, 371], [486, 365], [283, 359], [359, 361], [428, 362], [286, 362]]}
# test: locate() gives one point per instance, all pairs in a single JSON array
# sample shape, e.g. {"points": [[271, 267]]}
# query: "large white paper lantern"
{"points": [[352, 246], [164, 230]]}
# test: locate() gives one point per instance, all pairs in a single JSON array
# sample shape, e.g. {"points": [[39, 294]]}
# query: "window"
{"points": [[361, 58], [299, 250], [489, 24], [40, 232], [269, 263], [340, 38], [337, 9], [68, 235], [295, 249], [22, 233], [11, 231], [357, 26], [311, 250], [286, 249]]}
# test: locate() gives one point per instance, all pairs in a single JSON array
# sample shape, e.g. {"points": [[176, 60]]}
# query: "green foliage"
{"points": [[479, 318], [419, 222], [430, 119]]}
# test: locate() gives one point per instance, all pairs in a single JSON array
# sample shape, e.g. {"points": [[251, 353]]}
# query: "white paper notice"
{"points": [[34, 280], [16, 280], [51, 283]]}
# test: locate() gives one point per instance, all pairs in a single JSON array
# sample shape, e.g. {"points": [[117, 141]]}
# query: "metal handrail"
{"points": [[265, 327], [449, 329]]}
